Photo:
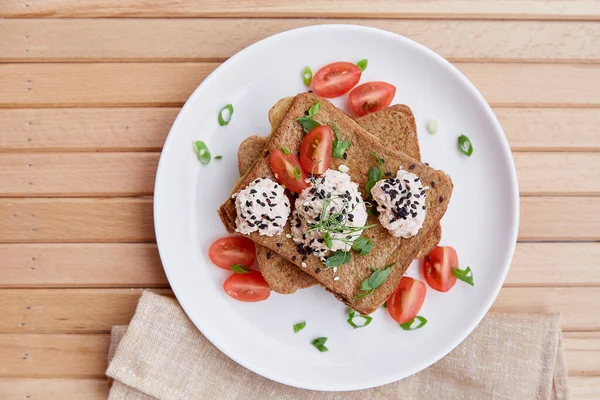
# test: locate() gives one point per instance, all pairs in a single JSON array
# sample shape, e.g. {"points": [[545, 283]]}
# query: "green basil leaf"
{"points": [[218, 157], [314, 109], [240, 269], [363, 295], [408, 325], [308, 123], [364, 285], [374, 174], [338, 258], [362, 64], [362, 245], [299, 326], [363, 320], [225, 117], [328, 241], [465, 275], [319, 343], [297, 172], [465, 145], [202, 152], [285, 150], [378, 277], [307, 76]]}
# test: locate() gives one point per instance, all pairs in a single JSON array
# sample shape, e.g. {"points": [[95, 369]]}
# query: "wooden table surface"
{"points": [[89, 89]]}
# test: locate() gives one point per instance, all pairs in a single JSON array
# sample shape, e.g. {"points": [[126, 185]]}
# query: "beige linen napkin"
{"points": [[161, 355]]}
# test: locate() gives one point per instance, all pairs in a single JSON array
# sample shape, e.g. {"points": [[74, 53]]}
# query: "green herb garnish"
{"points": [[307, 76], [319, 343], [339, 147], [285, 150], [363, 320], [202, 151], [307, 122], [240, 269], [465, 275], [377, 278], [299, 326], [384, 305], [375, 174], [362, 64], [408, 325], [328, 241], [432, 127], [297, 172], [218, 157], [362, 245], [338, 258], [465, 145], [225, 117]]}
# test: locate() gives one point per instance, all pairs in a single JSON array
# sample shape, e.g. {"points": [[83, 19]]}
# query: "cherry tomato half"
{"points": [[315, 150], [437, 268], [288, 171], [231, 250], [406, 301], [250, 287], [370, 97], [335, 79]]}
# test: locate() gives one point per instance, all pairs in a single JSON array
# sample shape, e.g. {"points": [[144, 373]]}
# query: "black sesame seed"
{"points": [[416, 179], [275, 224], [317, 270], [304, 258], [252, 191], [256, 181], [262, 226], [345, 156], [427, 164], [305, 209], [388, 174], [441, 199], [432, 184], [422, 192], [413, 206], [293, 258], [278, 244], [411, 167], [383, 206], [423, 207], [417, 195], [406, 180], [268, 255]]}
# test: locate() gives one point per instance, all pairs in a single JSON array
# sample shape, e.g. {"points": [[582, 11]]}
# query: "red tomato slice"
{"points": [[231, 250], [335, 79], [315, 150], [406, 301], [288, 171], [370, 97], [250, 287], [437, 268]]}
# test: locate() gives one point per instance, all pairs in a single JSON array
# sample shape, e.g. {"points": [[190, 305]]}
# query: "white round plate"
{"points": [[481, 222]]}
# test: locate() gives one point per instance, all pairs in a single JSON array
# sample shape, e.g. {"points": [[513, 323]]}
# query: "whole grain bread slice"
{"points": [[395, 124], [388, 249]]}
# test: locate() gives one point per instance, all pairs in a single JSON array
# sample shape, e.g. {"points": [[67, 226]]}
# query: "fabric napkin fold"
{"points": [[161, 355]]}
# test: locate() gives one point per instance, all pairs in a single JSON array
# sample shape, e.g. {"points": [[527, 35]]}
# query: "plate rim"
{"points": [[504, 150]]}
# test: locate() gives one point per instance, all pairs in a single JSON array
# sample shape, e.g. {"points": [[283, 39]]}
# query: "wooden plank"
{"points": [[126, 84], [53, 389], [76, 220], [36, 356], [83, 356], [96, 310], [545, 173], [88, 174], [132, 174], [87, 129], [559, 218], [130, 220], [67, 310], [81, 265], [145, 129], [584, 387], [486, 9], [151, 39], [555, 264]]}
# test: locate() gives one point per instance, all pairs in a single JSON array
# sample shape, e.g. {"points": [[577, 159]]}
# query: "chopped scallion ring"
{"points": [[307, 76], [465, 145], [225, 115], [202, 152], [408, 326]]}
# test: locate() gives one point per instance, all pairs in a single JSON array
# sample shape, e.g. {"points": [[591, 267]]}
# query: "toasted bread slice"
{"points": [[388, 249], [395, 123]]}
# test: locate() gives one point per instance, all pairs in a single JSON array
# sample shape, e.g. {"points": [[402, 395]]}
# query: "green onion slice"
{"points": [[307, 76], [285, 150], [299, 326], [353, 318], [297, 172], [432, 127], [319, 343], [408, 325], [225, 115], [218, 157], [240, 269], [362, 64], [465, 145], [202, 151], [465, 275]]}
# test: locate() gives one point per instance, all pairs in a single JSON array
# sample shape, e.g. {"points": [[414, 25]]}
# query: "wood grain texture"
{"points": [[53, 389], [126, 84], [584, 388], [82, 265], [83, 356], [89, 174], [76, 220], [486, 9], [152, 39], [145, 129], [132, 174], [97, 310], [130, 220], [138, 265]]}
